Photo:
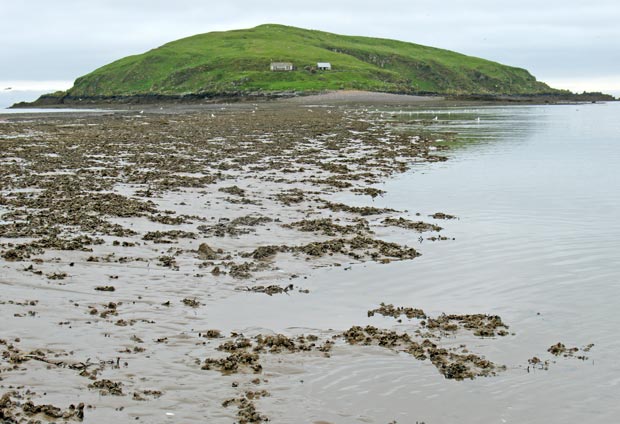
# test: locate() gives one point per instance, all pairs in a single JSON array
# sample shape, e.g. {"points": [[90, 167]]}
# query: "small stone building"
{"points": [[324, 66], [281, 66]]}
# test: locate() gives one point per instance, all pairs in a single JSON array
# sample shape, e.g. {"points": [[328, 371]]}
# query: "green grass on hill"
{"points": [[238, 61]]}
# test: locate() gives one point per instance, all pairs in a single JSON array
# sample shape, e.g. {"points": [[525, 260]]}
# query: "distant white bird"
{"points": [[212, 115], [478, 119], [436, 118], [141, 112]]}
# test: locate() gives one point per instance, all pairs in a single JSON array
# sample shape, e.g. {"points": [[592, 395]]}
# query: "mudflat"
{"points": [[119, 232]]}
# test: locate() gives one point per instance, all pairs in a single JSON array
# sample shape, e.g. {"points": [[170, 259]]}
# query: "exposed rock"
{"points": [[205, 252], [108, 387], [391, 311]]}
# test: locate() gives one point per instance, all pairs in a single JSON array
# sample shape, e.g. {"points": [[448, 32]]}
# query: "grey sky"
{"points": [[570, 44]]}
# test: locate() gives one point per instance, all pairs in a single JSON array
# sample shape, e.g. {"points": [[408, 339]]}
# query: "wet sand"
{"points": [[121, 233], [349, 97]]}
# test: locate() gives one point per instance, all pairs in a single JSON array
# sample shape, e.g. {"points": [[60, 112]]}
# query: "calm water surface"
{"points": [[537, 193]]}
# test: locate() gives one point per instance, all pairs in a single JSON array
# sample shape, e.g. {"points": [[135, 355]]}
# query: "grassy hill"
{"points": [[238, 61]]}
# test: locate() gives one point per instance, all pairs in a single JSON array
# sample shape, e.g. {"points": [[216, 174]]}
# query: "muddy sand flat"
{"points": [[121, 232]]}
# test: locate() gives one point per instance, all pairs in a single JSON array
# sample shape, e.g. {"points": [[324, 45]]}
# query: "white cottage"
{"points": [[281, 66], [324, 66]]}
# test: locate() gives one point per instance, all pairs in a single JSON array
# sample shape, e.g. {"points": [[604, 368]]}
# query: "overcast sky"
{"points": [[569, 44]]}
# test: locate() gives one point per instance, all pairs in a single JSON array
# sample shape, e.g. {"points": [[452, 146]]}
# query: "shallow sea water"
{"points": [[537, 241], [536, 190]]}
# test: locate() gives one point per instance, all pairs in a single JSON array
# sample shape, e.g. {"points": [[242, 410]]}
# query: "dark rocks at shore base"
{"points": [[537, 98], [64, 99]]}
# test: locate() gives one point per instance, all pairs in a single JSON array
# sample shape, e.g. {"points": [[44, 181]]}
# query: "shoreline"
{"points": [[328, 98], [197, 233], [123, 233]]}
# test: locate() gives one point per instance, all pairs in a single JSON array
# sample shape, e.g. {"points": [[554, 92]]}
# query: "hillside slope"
{"points": [[238, 61]]}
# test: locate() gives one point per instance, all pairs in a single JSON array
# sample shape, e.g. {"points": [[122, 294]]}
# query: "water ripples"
{"points": [[536, 242]]}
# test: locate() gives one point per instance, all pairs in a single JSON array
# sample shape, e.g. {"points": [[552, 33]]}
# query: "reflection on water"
{"points": [[470, 124], [537, 242]]}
